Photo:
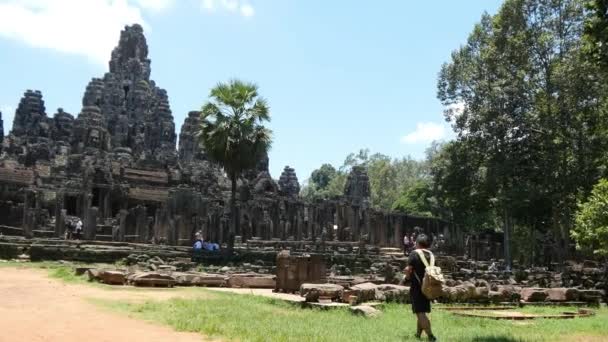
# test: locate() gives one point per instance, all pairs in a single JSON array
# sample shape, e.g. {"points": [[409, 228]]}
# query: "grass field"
{"points": [[250, 318]]}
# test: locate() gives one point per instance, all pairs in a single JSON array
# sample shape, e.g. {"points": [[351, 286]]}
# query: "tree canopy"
{"points": [[232, 131]]}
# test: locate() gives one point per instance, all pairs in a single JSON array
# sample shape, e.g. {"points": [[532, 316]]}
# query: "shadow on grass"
{"points": [[495, 339]]}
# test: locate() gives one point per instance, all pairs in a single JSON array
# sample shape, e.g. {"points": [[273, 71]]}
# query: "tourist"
{"points": [[198, 243], [407, 245], [415, 272], [78, 231]]}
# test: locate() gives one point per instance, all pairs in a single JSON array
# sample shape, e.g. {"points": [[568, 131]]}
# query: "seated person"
{"points": [[210, 246], [198, 243]]}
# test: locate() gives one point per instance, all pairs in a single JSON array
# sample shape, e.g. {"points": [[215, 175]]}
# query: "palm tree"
{"points": [[232, 131]]}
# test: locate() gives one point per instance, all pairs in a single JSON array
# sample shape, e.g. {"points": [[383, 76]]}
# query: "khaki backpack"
{"points": [[432, 283]]}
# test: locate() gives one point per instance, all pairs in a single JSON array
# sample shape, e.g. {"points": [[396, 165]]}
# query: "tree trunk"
{"points": [[232, 227], [507, 239]]}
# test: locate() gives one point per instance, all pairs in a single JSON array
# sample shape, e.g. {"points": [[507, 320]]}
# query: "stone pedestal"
{"points": [[122, 222], [29, 222], [60, 219], [90, 224]]}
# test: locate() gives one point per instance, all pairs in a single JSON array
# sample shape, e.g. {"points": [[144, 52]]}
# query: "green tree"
{"points": [[232, 131], [529, 120], [416, 200], [591, 222], [323, 175]]}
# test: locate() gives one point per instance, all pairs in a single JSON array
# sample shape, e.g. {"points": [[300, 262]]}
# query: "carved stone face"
{"points": [[95, 138]]}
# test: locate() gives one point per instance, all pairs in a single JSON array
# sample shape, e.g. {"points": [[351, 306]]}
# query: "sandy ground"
{"points": [[35, 308]]}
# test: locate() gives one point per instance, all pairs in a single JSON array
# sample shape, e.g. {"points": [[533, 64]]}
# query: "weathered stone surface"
{"points": [[151, 279], [112, 277], [364, 292], [200, 279], [534, 294], [393, 293], [590, 296], [312, 292], [365, 310], [252, 281], [288, 183], [94, 274], [356, 189], [563, 295]]}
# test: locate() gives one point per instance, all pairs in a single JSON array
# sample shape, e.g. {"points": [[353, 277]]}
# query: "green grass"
{"points": [[251, 318]]}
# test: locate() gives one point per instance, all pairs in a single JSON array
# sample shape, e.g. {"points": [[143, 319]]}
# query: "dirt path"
{"points": [[36, 308]]}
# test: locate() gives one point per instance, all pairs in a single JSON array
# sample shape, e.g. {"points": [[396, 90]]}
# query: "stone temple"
{"points": [[142, 198], [116, 165]]}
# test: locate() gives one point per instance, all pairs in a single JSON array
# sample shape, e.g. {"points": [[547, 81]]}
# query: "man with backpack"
{"points": [[426, 284]]}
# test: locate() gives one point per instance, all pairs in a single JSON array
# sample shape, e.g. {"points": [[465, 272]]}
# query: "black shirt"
{"points": [[418, 266]]}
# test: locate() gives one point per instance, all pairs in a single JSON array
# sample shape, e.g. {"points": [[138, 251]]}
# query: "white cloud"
{"points": [[88, 28], [8, 113], [425, 132], [230, 5], [155, 5], [241, 7], [247, 10], [208, 5]]}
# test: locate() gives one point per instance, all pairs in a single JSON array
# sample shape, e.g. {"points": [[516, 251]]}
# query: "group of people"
{"points": [[201, 245], [416, 247], [73, 229]]}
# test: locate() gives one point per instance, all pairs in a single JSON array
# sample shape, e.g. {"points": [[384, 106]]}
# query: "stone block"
{"points": [[112, 277], [252, 281], [312, 292], [364, 292], [563, 295], [393, 293], [152, 279], [200, 279], [534, 294]]}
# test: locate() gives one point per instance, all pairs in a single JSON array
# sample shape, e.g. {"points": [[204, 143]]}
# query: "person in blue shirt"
{"points": [[198, 243]]}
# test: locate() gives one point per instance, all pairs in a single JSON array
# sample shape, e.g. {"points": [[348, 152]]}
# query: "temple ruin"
{"points": [[116, 166]]}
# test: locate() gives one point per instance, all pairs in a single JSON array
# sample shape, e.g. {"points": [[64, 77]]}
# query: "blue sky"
{"points": [[339, 75]]}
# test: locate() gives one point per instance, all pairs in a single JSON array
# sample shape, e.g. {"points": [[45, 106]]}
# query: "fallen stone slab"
{"points": [[111, 277], [151, 279], [365, 310], [252, 281], [93, 274], [392, 293], [364, 292], [590, 296], [200, 279], [563, 295], [312, 292], [533, 294]]}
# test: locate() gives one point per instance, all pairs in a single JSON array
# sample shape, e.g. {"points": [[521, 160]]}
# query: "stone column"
{"points": [[355, 226], [90, 224], [141, 224], [107, 204], [60, 223], [29, 222], [299, 225], [122, 224]]}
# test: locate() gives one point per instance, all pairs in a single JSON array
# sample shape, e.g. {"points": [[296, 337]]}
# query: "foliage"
{"points": [[389, 178], [591, 222], [221, 315], [416, 200], [232, 130], [528, 110]]}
